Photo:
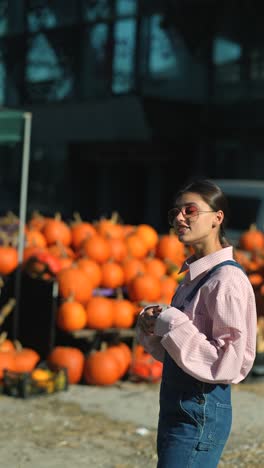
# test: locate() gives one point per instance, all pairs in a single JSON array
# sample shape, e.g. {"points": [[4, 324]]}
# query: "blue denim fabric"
{"points": [[194, 421]]}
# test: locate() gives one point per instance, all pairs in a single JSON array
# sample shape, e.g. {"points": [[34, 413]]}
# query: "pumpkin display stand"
{"points": [[37, 306]]}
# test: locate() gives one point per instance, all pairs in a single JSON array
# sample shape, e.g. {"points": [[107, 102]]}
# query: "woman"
{"points": [[206, 339]]}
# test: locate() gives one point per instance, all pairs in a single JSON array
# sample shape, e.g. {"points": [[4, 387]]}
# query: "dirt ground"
{"points": [[113, 427]]}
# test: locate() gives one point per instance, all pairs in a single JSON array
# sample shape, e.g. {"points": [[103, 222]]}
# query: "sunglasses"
{"points": [[188, 211]]}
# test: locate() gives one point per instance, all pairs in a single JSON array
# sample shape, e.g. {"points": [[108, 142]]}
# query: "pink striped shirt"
{"points": [[214, 339]]}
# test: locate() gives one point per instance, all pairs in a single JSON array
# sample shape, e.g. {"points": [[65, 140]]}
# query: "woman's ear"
{"points": [[218, 218]]}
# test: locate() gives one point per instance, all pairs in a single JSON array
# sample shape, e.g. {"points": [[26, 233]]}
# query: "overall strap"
{"points": [[208, 274]]}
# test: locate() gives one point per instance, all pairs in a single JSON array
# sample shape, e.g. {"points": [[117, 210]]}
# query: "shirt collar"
{"points": [[196, 267]]}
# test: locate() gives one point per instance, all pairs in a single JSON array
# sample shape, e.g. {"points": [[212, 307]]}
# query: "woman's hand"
{"points": [[147, 318]]}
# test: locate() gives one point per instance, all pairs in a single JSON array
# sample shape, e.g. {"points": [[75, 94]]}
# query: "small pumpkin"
{"points": [[110, 227], [25, 359], [168, 286], [170, 248], [8, 259], [251, 239], [97, 248], [144, 287], [5, 343], [69, 357], [71, 315], [149, 235], [80, 231], [92, 269], [75, 282], [99, 313], [101, 368], [35, 238], [112, 275], [55, 230], [118, 249], [123, 313], [132, 267], [145, 368], [136, 246], [155, 266]]}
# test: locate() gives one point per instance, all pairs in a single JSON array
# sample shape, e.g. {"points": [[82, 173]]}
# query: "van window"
{"points": [[243, 211]]}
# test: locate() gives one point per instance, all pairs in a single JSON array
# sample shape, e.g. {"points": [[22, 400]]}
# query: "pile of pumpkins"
{"points": [[105, 366], [250, 253], [106, 272]]}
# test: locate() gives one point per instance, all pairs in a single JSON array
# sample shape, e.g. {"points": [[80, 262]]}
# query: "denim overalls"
{"points": [[195, 417]]}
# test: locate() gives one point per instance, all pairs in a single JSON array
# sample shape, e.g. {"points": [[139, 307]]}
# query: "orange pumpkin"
{"points": [[251, 239], [168, 287], [127, 351], [8, 259], [61, 251], [120, 355], [35, 238], [101, 368], [169, 247], [110, 227], [118, 249], [5, 343], [99, 313], [71, 315], [112, 275], [80, 231], [92, 269], [36, 221], [136, 246], [145, 368], [155, 266], [71, 358], [97, 248], [123, 313], [256, 279], [25, 359], [144, 287], [148, 234], [56, 230], [74, 282], [132, 267]]}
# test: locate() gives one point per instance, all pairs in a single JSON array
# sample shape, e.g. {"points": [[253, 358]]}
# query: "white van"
{"points": [[246, 203]]}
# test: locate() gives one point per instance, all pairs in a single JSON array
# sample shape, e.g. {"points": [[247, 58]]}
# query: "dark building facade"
{"points": [[125, 92]]}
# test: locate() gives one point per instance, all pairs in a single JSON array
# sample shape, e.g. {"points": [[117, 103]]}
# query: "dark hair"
{"points": [[212, 194]]}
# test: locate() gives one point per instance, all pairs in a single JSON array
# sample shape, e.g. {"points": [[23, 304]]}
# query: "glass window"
{"points": [[48, 69], [2, 78], [99, 46], [227, 60], [126, 7], [225, 51], [47, 15], [3, 17], [95, 61], [97, 9], [124, 53], [162, 59]]}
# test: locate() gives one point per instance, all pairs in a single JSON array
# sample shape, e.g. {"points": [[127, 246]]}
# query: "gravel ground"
{"points": [[113, 427]]}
